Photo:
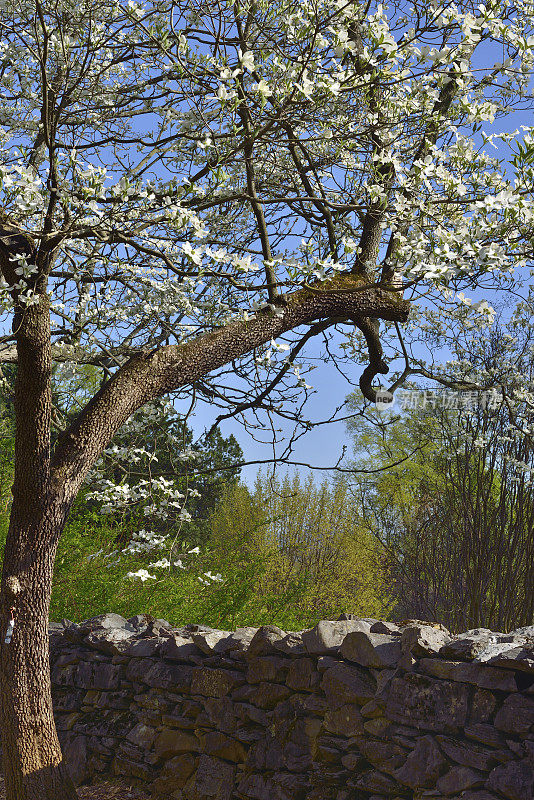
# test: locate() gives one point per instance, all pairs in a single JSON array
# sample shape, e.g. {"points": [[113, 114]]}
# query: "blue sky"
{"points": [[321, 446]]}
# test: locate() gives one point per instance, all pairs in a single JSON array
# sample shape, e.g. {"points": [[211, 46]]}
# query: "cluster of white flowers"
{"points": [[209, 578], [159, 499], [142, 574]]}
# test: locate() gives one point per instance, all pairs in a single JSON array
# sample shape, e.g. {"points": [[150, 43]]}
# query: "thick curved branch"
{"points": [[152, 374], [377, 366]]}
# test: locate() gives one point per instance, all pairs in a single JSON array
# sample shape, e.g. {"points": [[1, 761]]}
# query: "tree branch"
{"points": [[150, 375]]}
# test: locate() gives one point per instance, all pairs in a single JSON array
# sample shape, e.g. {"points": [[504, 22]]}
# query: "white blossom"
{"points": [[142, 574], [247, 60]]}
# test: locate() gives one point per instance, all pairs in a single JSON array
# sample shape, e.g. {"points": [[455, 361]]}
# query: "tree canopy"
{"points": [[179, 168]]}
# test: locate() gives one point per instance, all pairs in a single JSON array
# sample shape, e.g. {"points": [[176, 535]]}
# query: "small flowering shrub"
{"points": [[89, 580]]}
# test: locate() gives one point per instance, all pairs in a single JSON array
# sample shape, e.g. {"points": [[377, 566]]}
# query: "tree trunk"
{"points": [[33, 766], [32, 761]]}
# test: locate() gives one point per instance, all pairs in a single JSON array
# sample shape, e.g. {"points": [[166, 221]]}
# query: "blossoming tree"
{"points": [[184, 182]]}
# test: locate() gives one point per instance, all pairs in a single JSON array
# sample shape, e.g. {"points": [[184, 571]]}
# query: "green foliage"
{"points": [[405, 467], [241, 551], [312, 548], [85, 586], [455, 518], [289, 553], [214, 469], [150, 446]]}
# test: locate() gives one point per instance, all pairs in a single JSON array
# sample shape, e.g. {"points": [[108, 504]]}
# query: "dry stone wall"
{"points": [[350, 709]]}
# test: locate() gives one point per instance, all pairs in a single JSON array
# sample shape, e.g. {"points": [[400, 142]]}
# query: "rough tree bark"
{"points": [[45, 486], [33, 766]]}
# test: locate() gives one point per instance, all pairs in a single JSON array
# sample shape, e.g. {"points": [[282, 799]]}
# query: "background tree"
{"points": [[311, 545], [155, 474], [183, 184], [457, 517]]}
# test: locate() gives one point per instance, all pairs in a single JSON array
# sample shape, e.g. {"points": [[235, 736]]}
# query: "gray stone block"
{"points": [[327, 637], [514, 780], [378, 650]]}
